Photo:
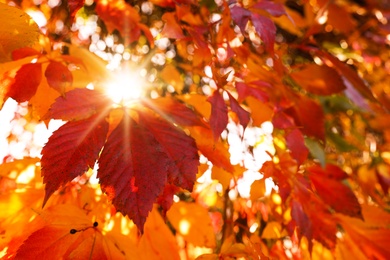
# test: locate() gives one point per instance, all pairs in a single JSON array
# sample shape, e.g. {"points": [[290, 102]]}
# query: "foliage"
{"points": [[260, 129]]}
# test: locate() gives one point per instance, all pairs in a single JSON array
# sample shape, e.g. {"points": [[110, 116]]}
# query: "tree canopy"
{"points": [[162, 129]]}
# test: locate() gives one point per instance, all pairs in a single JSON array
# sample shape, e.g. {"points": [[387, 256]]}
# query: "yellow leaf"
{"points": [[17, 30], [222, 176], [192, 221]]}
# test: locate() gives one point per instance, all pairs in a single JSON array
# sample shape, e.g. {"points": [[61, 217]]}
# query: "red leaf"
{"points": [[266, 29], [79, 104], [23, 53], [165, 200], [336, 195], [331, 171], [244, 91], [173, 111], [301, 220], [296, 143], [219, 114], [242, 114], [26, 82], [133, 170], [70, 151], [319, 80], [171, 28], [309, 114], [74, 6], [58, 76], [240, 16], [178, 147]]}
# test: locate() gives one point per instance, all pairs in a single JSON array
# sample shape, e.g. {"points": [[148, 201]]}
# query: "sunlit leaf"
{"points": [[58, 76], [79, 104], [70, 151], [17, 30], [219, 116], [193, 223]]}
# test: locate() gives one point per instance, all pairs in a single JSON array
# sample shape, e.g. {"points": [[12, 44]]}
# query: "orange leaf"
{"points": [[193, 222], [320, 80], [171, 28]]}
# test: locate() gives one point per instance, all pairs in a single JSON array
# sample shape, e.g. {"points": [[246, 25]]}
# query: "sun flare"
{"points": [[125, 87]]}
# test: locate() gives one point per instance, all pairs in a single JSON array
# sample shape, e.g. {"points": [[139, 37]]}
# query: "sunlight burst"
{"points": [[125, 87]]}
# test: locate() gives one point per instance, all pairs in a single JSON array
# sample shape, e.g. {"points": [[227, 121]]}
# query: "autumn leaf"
{"points": [[27, 80], [320, 80], [336, 195], [79, 104], [266, 29], [70, 151], [58, 76], [133, 170], [193, 223], [17, 30], [296, 143], [219, 116], [174, 111], [171, 28], [242, 114]]}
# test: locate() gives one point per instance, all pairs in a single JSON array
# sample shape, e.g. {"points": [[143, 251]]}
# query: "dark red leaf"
{"points": [[266, 29], [178, 147], [165, 200], [26, 82], [133, 170], [174, 111], [301, 220], [242, 114], [23, 53], [79, 104], [219, 114], [336, 195], [240, 16], [58, 76], [296, 143], [70, 151]]}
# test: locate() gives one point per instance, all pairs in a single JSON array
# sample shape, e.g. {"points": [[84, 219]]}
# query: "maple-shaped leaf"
{"points": [[320, 80], [78, 104], [26, 83], [178, 147], [242, 114], [336, 195], [24, 52], [58, 76], [266, 29], [71, 150], [174, 111], [219, 114], [133, 170], [296, 143]]}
